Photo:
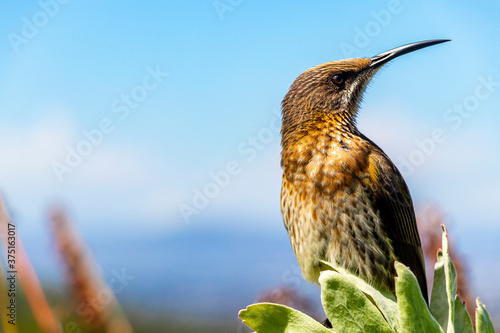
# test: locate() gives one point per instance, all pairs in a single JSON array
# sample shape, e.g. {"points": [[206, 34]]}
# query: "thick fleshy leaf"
{"points": [[439, 302], [462, 321], [483, 320], [275, 318], [383, 300], [444, 287], [348, 309], [414, 316]]}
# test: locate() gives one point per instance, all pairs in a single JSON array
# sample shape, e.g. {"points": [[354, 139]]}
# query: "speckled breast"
{"points": [[327, 203]]}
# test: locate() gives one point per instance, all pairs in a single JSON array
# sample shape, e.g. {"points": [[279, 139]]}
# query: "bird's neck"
{"points": [[341, 124], [299, 144]]}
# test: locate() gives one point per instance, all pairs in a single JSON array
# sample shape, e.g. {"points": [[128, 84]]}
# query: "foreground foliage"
{"points": [[352, 305]]}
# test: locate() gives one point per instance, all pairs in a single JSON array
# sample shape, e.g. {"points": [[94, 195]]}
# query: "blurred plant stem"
{"points": [[84, 278], [28, 279]]}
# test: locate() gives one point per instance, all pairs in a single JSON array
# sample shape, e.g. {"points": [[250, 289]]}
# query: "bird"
{"points": [[342, 198]]}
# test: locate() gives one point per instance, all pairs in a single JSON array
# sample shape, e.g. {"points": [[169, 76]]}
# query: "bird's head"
{"points": [[336, 87]]}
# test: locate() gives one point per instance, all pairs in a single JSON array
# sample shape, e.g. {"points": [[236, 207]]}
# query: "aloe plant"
{"points": [[352, 305]]}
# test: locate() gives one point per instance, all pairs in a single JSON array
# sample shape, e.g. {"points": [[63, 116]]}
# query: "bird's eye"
{"points": [[337, 79]]}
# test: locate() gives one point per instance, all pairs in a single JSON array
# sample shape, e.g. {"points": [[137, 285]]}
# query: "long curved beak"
{"points": [[383, 58]]}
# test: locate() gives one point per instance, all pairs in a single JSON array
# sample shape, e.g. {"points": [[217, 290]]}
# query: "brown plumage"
{"points": [[342, 198]]}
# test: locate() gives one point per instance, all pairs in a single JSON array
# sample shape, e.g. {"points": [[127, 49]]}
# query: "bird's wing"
{"points": [[393, 200]]}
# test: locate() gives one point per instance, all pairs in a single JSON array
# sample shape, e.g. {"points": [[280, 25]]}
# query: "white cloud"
{"points": [[116, 184], [30, 150]]}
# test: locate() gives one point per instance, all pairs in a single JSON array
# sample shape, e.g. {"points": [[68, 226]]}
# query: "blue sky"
{"points": [[227, 73]]}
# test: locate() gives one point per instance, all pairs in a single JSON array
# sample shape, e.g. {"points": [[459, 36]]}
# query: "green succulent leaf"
{"points": [[444, 287], [383, 300], [275, 318], [414, 315], [347, 308], [483, 320], [462, 321], [439, 302]]}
